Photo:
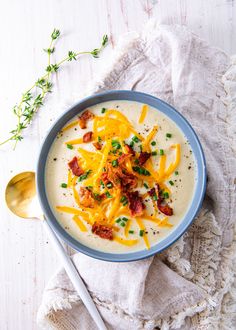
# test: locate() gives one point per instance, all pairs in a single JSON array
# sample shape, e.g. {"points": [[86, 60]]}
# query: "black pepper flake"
{"points": [[189, 168], [54, 159]]}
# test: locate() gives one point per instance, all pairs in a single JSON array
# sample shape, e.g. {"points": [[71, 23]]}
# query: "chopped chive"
{"points": [[99, 139], [171, 183], [153, 143], [145, 185], [118, 220], [123, 224], [109, 185], [154, 153], [108, 194], [165, 194], [125, 203], [146, 172], [103, 110], [176, 172], [102, 184], [69, 146], [135, 139], [141, 170], [155, 198], [115, 144], [114, 163], [136, 161], [131, 144], [161, 152], [84, 176], [123, 199], [141, 147], [131, 231], [141, 232], [136, 169], [125, 219], [90, 187], [64, 185], [168, 135]]}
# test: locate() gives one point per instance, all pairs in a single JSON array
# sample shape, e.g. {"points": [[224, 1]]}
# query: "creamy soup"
{"points": [[120, 177]]}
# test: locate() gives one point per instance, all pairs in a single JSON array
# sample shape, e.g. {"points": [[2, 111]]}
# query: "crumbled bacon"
{"points": [[102, 231], [83, 119], [136, 204], [87, 137], [123, 158], [128, 180], [97, 145], [152, 192], [112, 175], [75, 168], [165, 208], [104, 178], [162, 206], [129, 150], [86, 197], [143, 157]]}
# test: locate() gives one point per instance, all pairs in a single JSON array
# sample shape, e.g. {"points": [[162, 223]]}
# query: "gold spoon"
{"points": [[21, 199]]}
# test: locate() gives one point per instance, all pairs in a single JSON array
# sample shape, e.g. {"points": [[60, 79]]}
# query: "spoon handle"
{"points": [[74, 277]]}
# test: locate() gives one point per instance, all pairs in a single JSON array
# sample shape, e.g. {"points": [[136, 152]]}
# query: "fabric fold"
{"points": [[188, 285]]}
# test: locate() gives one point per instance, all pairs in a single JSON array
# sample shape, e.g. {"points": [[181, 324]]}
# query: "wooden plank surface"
{"points": [[26, 259]]}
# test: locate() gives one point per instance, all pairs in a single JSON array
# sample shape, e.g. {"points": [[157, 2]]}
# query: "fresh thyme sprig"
{"points": [[34, 97]]}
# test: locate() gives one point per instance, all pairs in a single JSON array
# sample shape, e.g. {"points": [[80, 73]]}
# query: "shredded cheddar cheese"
{"points": [[143, 114], [106, 186], [80, 224], [128, 242], [72, 124]]}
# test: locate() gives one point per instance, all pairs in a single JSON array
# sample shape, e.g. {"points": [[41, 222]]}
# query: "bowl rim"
{"points": [[172, 114]]}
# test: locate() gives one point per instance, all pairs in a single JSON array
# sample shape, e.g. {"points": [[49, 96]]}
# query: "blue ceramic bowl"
{"points": [[180, 121]]}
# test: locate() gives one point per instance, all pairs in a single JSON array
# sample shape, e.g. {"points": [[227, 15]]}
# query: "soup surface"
{"points": [[120, 176]]}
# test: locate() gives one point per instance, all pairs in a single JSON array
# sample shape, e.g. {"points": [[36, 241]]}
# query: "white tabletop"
{"points": [[26, 258]]}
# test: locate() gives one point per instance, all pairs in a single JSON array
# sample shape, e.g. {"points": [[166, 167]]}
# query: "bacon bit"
{"points": [[87, 137], [102, 231], [165, 208], [152, 192], [105, 178], [103, 196], [97, 145], [129, 150], [120, 178], [162, 206], [128, 180], [75, 168], [112, 175], [86, 115], [136, 204], [123, 158], [86, 197], [143, 157]]}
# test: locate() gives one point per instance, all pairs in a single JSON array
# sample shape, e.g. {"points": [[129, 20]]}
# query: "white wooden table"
{"points": [[26, 258]]}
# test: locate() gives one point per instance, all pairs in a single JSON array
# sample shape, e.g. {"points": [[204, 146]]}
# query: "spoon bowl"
{"points": [[21, 196]]}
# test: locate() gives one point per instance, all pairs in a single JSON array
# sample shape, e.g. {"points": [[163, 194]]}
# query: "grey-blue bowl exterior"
{"points": [[180, 121]]}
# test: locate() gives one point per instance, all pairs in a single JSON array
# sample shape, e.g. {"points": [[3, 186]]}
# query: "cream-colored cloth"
{"points": [[190, 285]]}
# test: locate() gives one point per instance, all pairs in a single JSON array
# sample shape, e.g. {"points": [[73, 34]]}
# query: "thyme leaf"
{"points": [[33, 98]]}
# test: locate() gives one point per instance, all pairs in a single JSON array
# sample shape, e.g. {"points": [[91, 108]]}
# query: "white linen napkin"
{"points": [[190, 285]]}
